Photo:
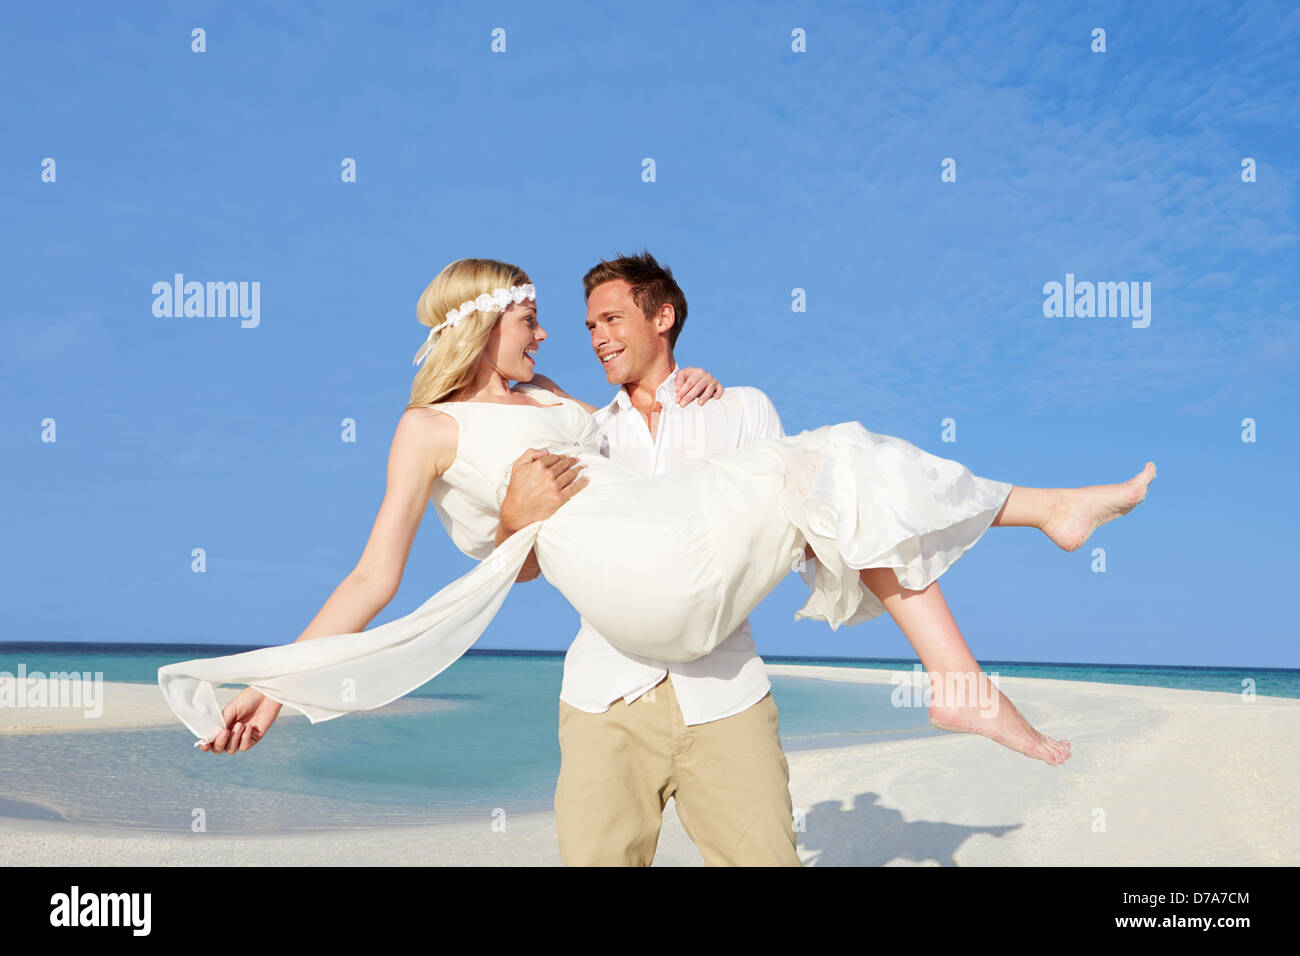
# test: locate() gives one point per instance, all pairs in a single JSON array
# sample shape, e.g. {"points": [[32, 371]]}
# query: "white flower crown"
{"points": [[486, 302]]}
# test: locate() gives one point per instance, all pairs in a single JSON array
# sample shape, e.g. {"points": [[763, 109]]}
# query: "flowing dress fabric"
{"points": [[665, 566]]}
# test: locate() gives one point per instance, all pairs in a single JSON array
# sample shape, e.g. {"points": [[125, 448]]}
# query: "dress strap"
{"points": [[445, 408]]}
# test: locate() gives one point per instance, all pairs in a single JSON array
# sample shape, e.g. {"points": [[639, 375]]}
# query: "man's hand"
{"points": [[696, 383], [539, 483]]}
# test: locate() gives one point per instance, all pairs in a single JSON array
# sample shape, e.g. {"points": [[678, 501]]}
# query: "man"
{"points": [[635, 731]]}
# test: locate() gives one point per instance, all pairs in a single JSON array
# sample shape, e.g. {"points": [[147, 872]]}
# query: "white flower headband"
{"points": [[486, 302]]}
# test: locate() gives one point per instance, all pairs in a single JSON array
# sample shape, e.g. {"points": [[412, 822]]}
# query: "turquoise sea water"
{"points": [[490, 744]]}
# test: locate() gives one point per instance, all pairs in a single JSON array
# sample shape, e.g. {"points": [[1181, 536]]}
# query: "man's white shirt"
{"points": [[732, 677]]}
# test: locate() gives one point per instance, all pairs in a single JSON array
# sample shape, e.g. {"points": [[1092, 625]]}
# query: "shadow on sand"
{"points": [[872, 835]]}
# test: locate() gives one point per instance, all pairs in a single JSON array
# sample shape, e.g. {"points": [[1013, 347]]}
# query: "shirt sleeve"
{"points": [[761, 418]]}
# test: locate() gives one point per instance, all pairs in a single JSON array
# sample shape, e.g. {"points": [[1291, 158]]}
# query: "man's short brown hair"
{"points": [[652, 286]]}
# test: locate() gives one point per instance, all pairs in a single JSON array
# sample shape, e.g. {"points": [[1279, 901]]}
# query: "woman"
{"points": [[647, 560]]}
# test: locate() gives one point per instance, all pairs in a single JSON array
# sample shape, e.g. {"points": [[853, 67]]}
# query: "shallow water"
{"points": [[480, 736]]}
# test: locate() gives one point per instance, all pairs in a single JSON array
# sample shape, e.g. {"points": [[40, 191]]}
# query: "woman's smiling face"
{"points": [[513, 340]]}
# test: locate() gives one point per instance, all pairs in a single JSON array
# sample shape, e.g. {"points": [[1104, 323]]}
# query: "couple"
{"points": [[664, 526]]}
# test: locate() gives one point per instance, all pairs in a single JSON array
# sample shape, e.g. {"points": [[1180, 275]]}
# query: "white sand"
{"points": [[1177, 777]]}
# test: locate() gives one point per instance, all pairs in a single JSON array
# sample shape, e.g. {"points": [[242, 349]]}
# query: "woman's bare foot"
{"points": [[999, 720], [1081, 511]]}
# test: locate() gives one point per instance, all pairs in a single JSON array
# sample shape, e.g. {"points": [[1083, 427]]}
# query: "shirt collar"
{"points": [[666, 388]]}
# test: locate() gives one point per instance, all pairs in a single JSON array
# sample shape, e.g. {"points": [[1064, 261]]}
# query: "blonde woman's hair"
{"points": [[450, 366]]}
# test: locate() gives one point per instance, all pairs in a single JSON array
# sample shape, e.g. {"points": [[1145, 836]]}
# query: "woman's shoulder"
{"points": [[544, 388], [425, 431], [425, 417], [537, 385]]}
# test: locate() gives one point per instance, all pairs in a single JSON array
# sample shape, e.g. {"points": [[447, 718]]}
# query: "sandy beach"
{"points": [[1158, 777]]}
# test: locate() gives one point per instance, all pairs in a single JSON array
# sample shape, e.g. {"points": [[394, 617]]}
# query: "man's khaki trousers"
{"points": [[729, 778]]}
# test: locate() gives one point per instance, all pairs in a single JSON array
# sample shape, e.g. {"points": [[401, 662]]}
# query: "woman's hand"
{"points": [[696, 383], [248, 717]]}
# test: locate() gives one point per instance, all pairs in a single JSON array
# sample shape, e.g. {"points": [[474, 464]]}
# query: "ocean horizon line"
{"points": [[908, 663]]}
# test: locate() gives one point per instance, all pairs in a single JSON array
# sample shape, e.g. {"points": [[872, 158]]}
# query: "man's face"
{"points": [[624, 340]]}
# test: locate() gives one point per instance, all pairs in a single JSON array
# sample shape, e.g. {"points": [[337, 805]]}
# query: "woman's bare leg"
{"points": [[1070, 515], [964, 699]]}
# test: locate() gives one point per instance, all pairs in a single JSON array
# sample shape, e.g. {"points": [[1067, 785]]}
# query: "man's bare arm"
{"points": [[539, 483], [531, 569]]}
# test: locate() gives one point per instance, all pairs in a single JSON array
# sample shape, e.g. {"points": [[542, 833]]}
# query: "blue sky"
{"points": [[775, 170]]}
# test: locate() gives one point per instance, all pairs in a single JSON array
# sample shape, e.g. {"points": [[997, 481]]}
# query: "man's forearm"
{"points": [[531, 568], [539, 483]]}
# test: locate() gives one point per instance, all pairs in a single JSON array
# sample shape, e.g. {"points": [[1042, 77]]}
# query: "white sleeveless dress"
{"points": [[664, 566]]}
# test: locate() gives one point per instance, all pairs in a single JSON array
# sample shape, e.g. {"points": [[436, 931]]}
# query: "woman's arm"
{"points": [[423, 447], [692, 383]]}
